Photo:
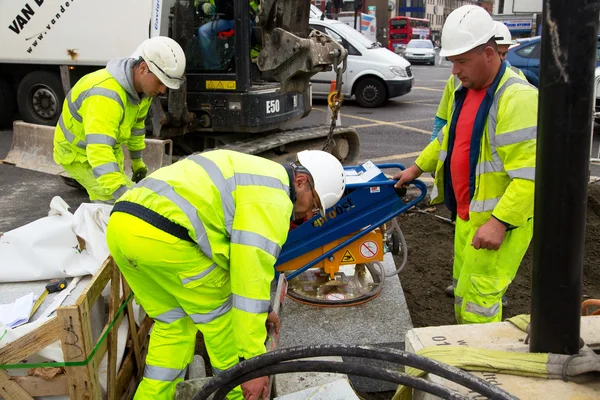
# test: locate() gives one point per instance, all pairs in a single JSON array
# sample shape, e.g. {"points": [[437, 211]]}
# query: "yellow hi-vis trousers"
{"points": [[82, 173], [153, 262], [482, 276]]}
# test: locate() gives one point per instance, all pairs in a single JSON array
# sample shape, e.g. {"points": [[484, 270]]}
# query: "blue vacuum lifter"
{"points": [[335, 259]]}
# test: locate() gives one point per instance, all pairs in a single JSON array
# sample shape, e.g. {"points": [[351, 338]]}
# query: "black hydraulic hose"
{"points": [[385, 354], [378, 373]]}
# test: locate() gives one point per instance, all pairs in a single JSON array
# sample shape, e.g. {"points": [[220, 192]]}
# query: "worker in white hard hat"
{"points": [[503, 42], [197, 242], [107, 108], [484, 163]]}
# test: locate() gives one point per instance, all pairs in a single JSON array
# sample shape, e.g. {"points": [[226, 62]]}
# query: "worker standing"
{"points": [[484, 163], [108, 108], [503, 42], [197, 242]]}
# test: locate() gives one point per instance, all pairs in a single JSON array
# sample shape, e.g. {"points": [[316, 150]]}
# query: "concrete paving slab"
{"points": [[337, 390], [286, 384], [382, 322]]}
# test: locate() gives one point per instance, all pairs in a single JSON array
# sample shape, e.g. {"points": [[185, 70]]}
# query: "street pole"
{"points": [[569, 36]]}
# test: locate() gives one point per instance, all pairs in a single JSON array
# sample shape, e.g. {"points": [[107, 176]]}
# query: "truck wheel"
{"points": [[40, 97], [370, 93], [7, 103]]}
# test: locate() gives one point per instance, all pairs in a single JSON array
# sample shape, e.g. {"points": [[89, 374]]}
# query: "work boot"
{"points": [[450, 291]]}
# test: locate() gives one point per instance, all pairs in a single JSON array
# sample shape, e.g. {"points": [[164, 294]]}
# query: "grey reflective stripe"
{"points": [[518, 136], [217, 312], [483, 311], [458, 301], [141, 119], [457, 82], [442, 155], [260, 180], [515, 70], [250, 305], [98, 91], [135, 154], [103, 202], [120, 192], [69, 135], [162, 188], [493, 113], [434, 192], [484, 205], [254, 239], [200, 275], [488, 166], [217, 371], [171, 315], [163, 374], [523, 173], [441, 136], [138, 132], [99, 138], [224, 186], [73, 109], [105, 169]]}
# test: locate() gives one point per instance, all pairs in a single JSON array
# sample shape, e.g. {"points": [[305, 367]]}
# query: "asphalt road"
{"points": [[396, 132]]}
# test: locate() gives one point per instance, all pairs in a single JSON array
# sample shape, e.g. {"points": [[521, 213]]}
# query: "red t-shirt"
{"points": [[459, 163]]}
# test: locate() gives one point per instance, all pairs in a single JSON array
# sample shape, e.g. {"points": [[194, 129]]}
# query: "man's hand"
{"points": [[273, 318], [256, 389], [490, 235], [139, 170], [409, 174]]}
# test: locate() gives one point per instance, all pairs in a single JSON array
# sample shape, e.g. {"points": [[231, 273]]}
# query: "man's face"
{"points": [[150, 84], [307, 201], [503, 51], [473, 67]]}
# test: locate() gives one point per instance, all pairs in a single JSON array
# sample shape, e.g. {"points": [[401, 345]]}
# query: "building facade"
{"points": [[522, 17]]}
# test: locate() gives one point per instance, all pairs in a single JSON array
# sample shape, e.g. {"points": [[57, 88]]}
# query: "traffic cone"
{"points": [[338, 121]]}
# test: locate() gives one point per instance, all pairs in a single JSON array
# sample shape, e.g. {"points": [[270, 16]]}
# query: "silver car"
{"points": [[420, 50]]}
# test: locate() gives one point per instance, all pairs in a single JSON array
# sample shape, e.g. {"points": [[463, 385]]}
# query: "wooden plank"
{"points": [[31, 343], [77, 344], [125, 374], [113, 334], [99, 281], [11, 390], [36, 386], [133, 332]]}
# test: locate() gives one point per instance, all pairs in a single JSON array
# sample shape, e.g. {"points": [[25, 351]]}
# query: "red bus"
{"points": [[402, 29]]}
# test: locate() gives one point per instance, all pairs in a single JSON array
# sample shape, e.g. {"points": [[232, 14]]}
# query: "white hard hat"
{"points": [[165, 59], [466, 28], [328, 175], [503, 35]]}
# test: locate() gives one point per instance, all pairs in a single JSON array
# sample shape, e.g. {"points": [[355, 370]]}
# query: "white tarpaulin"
{"points": [[48, 247]]}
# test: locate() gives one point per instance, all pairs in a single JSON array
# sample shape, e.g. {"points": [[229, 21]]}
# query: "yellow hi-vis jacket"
{"points": [[237, 208], [502, 155], [100, 113]]}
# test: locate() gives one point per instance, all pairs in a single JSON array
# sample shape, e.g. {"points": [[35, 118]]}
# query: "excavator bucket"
{"points": [[32, 149]]}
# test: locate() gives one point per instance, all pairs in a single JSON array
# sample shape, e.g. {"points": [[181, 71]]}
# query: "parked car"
{"points": [[526, 57], [373, 75], [420, 50]]}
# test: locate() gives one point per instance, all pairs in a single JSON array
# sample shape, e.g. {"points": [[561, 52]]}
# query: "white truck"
{"points": [[47, 45]]}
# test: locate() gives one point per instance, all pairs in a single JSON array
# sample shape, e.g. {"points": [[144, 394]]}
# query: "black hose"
{"points": [[379, 373], [392, 355]]}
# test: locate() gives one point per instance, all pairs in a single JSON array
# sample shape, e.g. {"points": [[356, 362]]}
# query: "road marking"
{"points": [[377, 122], [414, 120], [426, 88]]}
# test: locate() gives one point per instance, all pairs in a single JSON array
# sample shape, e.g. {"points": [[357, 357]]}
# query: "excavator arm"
{"points": [[289, 50]]}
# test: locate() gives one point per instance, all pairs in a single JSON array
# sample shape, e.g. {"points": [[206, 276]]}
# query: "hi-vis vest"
{"points": [[502, 169], [445, 106], [98, 116], [237, 208]]}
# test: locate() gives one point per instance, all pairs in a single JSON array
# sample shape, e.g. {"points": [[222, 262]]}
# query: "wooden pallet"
{"points": [[72, 327]]}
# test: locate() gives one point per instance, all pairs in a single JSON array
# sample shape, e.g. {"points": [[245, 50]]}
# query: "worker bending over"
{"points": [[197, 242]]}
